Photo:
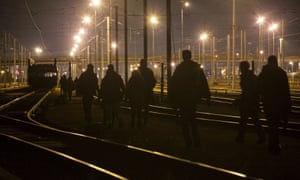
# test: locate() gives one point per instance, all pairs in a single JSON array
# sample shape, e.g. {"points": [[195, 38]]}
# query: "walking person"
{"points": [[149, 81], [111, 93], [186, 88], [70, 87], [275, 94], [135, 94], [63, 86], [249, 103], [88, 87]]}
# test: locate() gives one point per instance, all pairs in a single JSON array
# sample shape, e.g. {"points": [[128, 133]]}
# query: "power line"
{"points": [[36, 26]]}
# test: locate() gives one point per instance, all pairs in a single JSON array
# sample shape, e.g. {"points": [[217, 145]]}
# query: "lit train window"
{"points": [[50, 74]]}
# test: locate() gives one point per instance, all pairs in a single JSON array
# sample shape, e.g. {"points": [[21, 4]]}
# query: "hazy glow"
{"points": [[153, 20], [203, 36], [38, 50], [114, 45], [86, 20], [186, 4], [94, 3], [81, 31], [77, 39], [273, 27], [260, 20]]}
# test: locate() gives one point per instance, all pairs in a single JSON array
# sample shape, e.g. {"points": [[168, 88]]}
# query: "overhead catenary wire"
{"points": [[36, 26]]}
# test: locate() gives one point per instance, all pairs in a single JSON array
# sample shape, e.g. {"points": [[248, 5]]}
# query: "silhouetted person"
{"points": [[135, 93], [186, 88], [88, 87], [76, 86], [70, 86], [150, 82], [111, 93], [249, 104], [275, 94], [63, 86]]}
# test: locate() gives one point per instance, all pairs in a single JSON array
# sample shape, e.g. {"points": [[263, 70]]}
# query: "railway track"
{"points": [[231, 117], [81, 152], [291, 128], [30, 151]]}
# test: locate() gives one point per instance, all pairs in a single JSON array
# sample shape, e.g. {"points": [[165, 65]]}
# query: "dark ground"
{"points": [[218, 147]]}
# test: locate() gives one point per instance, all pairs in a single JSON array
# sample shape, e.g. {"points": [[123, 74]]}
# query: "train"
{"points": [[42, 75]]}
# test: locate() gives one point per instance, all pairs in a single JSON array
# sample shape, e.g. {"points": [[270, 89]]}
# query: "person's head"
{"points": [[143, 63], [244, 66], [272, 60], [110, 68], [90, 67], [186, 54]]}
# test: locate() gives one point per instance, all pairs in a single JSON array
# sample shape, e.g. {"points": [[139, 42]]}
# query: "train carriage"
{"points": [[42, 75]]}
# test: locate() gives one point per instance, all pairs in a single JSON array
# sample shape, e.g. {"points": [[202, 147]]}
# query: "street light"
{"points": [[292, 66], [38, 51], [203, 38], [114, 45], [273, 27], [184, 4], [81, 31], [260, 21], [154, 22], [86, 20], [95, 4], [77, 39]]}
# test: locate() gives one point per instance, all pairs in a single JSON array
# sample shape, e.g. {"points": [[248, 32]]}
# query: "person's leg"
{"points": [[241, 129], [110, 118], [139, 115], [258, 127], [145, 114], [192, 126], [133, 114], [274, 146], [185, 126], [87, 104], [116, 110]]}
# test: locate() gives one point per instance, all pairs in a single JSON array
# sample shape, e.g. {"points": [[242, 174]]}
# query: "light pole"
{"points": [[199, 51], [233, 42], [292, 66], [273, 28], [203, 38], [95, 4], [184, 4], [154, 22], [114, 47], [260, 21], [87, 20]]}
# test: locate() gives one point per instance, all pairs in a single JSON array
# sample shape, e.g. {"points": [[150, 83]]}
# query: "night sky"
{"points": [[57, 21]]}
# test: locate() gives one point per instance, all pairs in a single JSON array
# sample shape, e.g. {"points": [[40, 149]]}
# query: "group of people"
{"points": [[187, 87], [67, 86], [139, 93], [271, 87]]}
